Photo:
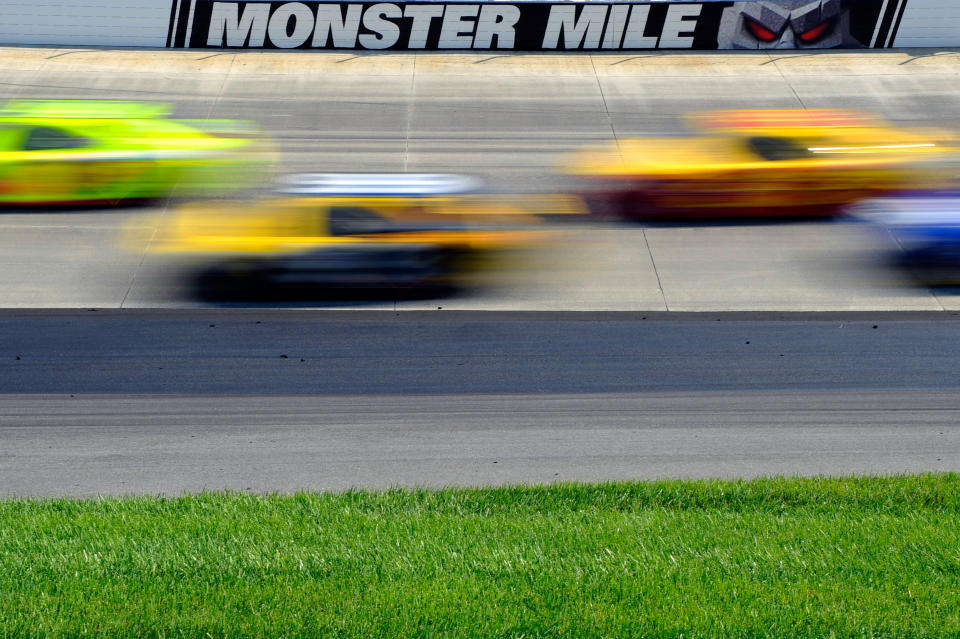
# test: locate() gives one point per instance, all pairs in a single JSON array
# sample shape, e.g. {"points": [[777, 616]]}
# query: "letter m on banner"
{"points": [[583, 30], [235, 27]]}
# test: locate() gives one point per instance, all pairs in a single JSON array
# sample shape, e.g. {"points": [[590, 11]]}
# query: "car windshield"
{"points": [[44, 138], [349, 220], [353, 220], [777, 148]]}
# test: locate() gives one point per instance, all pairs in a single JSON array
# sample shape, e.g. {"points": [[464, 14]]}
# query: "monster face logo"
{"points": [[786, 24]]}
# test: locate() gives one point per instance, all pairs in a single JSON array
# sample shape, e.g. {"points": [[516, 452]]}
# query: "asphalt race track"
{"points": [[262, 352], [106, 402], [638, 351]]}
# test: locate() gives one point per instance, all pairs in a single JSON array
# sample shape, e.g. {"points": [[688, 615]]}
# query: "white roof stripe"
{"points": [[377, 184]]}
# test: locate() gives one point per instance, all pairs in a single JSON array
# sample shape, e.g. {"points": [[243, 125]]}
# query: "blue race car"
{"points": [[927, 228]]}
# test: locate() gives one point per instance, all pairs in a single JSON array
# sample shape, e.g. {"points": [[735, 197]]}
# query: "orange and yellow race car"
{"points": [[763, 163]]}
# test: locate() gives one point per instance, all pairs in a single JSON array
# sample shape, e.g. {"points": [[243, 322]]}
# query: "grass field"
{"points": [[860, 557]]}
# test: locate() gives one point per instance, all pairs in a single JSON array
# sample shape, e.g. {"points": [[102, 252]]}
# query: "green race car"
{"points": [[97, 151]]}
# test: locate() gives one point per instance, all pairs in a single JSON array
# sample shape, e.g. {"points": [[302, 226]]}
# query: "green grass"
{"points": [[854, 557]]}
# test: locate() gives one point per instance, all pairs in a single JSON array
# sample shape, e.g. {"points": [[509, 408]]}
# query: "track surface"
{"points": [[357, 353], [114, 402], [106, 402], [509, 119]]}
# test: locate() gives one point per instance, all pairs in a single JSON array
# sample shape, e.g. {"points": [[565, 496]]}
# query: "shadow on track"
{"points": [[216, 292]]}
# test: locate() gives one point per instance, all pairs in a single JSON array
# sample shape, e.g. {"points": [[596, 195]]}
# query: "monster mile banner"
{"points": [[535, 26]]}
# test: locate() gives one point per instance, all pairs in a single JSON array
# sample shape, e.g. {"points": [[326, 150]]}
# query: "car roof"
{"points": [[927, 210], [376, 184], [796, 120]]}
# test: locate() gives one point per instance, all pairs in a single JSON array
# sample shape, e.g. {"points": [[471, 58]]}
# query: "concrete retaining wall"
{"points": [[511, 26]]}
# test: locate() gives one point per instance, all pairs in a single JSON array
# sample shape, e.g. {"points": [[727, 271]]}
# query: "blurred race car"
{"points": [[355, 232], [86, 151], [763, 163], [926, 228]]}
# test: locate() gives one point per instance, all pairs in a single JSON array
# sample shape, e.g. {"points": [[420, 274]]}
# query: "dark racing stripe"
{"points": [[886, 20], [173, 17], [179, 14], [896, 26]]}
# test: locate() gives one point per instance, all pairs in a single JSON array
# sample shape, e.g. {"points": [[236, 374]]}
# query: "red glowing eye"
{"points": [[760, 32], [815, 33]]}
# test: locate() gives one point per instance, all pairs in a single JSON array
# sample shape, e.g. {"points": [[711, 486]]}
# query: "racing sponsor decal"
{"points": [[534, 26]]}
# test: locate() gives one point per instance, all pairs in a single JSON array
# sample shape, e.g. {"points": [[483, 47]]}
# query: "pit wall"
{"points": [[493, 26]]}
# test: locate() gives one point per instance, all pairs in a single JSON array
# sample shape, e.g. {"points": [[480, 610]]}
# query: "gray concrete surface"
{"points": [[108, 402], [119, 444], [509, 119]]}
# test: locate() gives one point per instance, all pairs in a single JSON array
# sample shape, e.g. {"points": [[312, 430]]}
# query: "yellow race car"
{"points": [[763, 163], [370, 238], [105, 151]]}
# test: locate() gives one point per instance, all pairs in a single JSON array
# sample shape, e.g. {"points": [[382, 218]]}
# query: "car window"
{"points": [[45, 138], [354, 220], [777, 148]]}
